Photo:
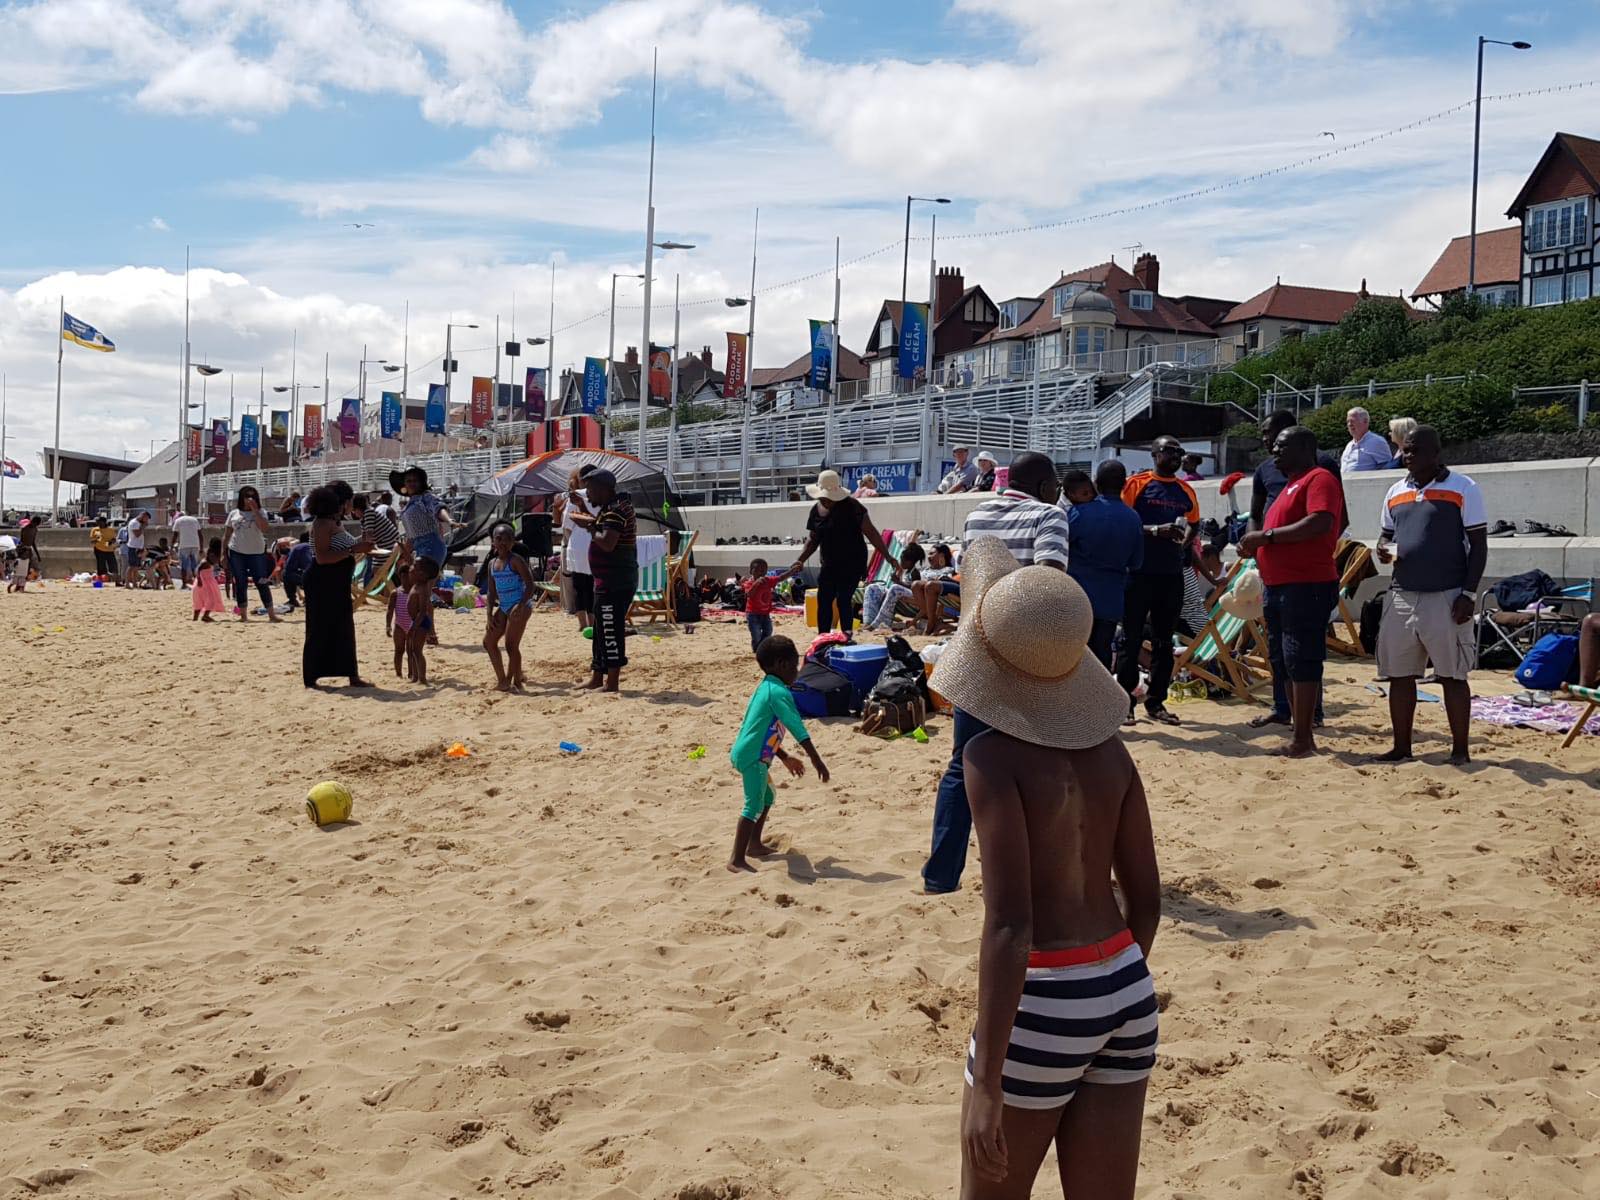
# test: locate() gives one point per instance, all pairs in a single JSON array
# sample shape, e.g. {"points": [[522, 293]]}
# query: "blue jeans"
{"points": [[952, 816], [248, 568], [760, 628]]}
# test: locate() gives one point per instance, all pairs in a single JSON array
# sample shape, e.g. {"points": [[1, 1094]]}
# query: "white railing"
{"points": [[465, 468], [1020, 365]]}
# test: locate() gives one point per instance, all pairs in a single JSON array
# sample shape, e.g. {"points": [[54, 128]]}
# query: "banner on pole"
{"points": [[913, 340], [311, 431], [594, 384], [434, 414], [279, 428], [733, 375], [350, 421], [482, 411], [660, 372], [392, 416], [536, 394], [194, 436], [219, 438], [249, 435], [821, 354]]}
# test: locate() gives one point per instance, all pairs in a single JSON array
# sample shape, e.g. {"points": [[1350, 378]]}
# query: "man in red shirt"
{"points": [[1294, 552]]}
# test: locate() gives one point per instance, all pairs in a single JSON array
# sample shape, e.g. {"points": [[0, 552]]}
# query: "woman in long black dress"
{"points": [[330, 647]]}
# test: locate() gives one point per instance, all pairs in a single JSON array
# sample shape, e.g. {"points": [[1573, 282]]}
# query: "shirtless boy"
{"points": [[1066, 1029]]}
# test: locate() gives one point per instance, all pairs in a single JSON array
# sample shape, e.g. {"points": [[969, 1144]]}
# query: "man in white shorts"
{"points": [[1435, 532]]}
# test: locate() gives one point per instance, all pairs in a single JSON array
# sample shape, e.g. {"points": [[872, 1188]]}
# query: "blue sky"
{"points": [[482, 139]]}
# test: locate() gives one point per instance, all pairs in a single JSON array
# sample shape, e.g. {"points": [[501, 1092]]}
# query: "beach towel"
{"points": [[1555, 717]]}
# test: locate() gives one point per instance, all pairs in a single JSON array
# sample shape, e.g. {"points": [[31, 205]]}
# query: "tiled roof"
{"points": [[850, 368], [1116, 282], [1499, 261], [1287, 302], [1585, 151]]}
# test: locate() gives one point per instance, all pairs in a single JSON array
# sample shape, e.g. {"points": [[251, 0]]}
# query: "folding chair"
{"points": [[1592, 698], [1229, 652], [1344, 631], [1515, 631]]}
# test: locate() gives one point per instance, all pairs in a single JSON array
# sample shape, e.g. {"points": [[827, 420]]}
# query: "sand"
{"points": [[529, 974]]}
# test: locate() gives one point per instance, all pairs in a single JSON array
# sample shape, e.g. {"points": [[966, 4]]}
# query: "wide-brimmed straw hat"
{"points": [[1020, 660], [828, 487], [1246, 599], [397, 479]]}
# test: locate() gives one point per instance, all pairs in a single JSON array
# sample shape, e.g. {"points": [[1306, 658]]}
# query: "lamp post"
{"points": [[905, 257], [644, 377], [294, 388], [1477, 126], [611, 335], [449, 372], [361, 404], [749, 363]]}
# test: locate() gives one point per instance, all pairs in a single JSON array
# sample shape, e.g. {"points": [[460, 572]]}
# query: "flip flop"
{"points": [[1262, 721], [1162, 716]]}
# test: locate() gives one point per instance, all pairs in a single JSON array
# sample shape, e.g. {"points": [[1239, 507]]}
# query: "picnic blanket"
{"points": [[1556, 717]]}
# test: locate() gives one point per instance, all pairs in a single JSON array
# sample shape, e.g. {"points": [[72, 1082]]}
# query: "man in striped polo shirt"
{"points": [[1435, 532], [377, 528], [1024, 516]]}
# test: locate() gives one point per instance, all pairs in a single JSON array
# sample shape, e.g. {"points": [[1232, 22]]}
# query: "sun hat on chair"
{"points": [[1020, 661], [828, 487], [1246, 599]]}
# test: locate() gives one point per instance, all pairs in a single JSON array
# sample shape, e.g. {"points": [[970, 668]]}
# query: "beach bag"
{"points": [[1371, 619], [685, 604], [820, 691], [906, 662], [885, 718], [1552, 662], [898, 701], [1522, 591]]}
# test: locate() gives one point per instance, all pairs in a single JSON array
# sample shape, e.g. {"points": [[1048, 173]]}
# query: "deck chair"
{"points": [[383, 581], [358, 593], [1344, 631], [652, 598], [1591, 699], [1230, 652]]}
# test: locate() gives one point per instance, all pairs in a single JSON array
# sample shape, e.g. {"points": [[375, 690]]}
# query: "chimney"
{"points": [[951, 285], [631, 358], [705, 357], [1147, 270]]}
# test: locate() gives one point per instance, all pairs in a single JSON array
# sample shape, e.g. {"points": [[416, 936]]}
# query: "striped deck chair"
{"points": [[1590, 697], [1230, 652], [1344, 631], [651, 599]]}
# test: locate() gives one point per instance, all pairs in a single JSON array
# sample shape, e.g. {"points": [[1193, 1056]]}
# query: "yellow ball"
{"points": [[328, 803]]}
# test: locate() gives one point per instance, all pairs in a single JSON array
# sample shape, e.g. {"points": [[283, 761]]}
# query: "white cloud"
{"points": [[508, 153], [157, 225]]}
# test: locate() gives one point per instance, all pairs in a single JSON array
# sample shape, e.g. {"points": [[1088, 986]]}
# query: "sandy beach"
{"points": [[524, 973]]}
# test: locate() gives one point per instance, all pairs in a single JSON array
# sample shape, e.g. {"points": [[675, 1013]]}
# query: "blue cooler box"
{"points": [[861, 665]]}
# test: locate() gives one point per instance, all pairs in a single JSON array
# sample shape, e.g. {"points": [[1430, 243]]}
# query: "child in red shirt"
{"points": [[758, 589]]}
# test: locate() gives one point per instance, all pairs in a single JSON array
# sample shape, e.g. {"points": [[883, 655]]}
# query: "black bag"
{"points": [[820, 691], [903, 676], [1371, 618], [1519, 591], [685, 603]]}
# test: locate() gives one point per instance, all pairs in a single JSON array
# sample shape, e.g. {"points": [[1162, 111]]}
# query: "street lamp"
{"points": [[644, 373], [449, 372], [1477, 126], [611, 337], [905, 257]]}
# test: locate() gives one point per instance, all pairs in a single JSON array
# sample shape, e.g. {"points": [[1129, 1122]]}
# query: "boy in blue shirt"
{"points": [[770, 712], [1105, 544]]}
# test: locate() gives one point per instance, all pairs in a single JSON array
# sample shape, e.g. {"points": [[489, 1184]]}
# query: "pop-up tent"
{"points": [[500, 496]]}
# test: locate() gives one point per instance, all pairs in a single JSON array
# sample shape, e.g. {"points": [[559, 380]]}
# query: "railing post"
{"points": [[1316, 397], [1583, 403], [1427, 380], [1372, 388]]}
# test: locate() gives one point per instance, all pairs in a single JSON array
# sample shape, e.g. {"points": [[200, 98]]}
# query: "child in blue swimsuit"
{"points": [[510, 597]]}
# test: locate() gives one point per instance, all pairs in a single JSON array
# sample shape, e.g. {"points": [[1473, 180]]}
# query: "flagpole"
{"points": [[672, 387], [927, 351], [361, 413], [294, 406], [55, 487], [550, 342], [649, 261], [230, 422], [405, 383], [261, 423], [179, 495], [327, 403], [3, 459]]}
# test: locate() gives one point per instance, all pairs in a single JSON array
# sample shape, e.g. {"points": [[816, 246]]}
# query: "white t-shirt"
{"points": [[247, 537], [186, 529], [135, 535], [576, 559]]}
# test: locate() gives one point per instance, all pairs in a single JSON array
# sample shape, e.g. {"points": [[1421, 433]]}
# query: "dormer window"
{"points": [[1141, 301], [885, 333], [1063, 296]]}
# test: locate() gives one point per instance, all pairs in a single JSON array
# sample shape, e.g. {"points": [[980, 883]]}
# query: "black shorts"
{"points": [[582, 591]]}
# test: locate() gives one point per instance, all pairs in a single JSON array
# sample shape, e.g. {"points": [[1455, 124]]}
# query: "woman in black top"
{"points": [[840, 528], [330, 646]]}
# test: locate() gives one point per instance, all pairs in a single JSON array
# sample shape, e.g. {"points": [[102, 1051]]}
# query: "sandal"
{"points": [[1162, 716], [1265, 719]]}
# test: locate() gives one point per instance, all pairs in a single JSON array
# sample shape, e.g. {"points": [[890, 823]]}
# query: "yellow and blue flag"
{"points": [[74, 330]]}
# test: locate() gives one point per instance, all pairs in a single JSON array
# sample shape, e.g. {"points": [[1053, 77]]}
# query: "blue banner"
{"points": [[594, 384], [249, 435], [392, 415], [913, 340], [434, 415], [821, 354], [896, 477]]}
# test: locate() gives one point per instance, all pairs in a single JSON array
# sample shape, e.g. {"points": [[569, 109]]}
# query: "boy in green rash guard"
{"points": [[770, 712]]}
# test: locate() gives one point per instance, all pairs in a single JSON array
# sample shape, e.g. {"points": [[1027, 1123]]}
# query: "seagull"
{"points": [[1328, 133], [358, 225]]}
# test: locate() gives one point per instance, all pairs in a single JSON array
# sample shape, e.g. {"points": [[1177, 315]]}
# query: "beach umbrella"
{"points": [[546, 474]]}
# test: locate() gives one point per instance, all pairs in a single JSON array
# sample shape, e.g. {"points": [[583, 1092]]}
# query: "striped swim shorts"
{"points": [[1086, 1014]]}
